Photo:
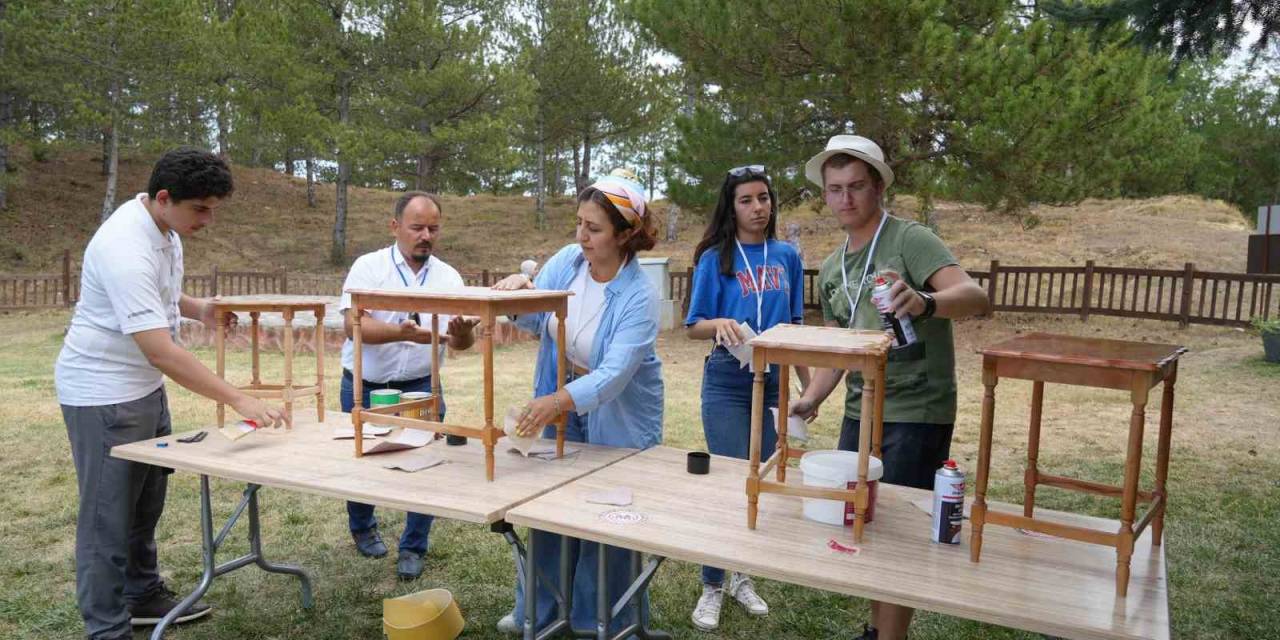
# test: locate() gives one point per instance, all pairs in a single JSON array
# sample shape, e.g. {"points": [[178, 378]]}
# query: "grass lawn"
{"points": [[1223, 542]]}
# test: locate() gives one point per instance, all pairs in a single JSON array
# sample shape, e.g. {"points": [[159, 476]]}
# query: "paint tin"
{"points": [[383, 397], [416, 412], [948, 503], [903, 333]]}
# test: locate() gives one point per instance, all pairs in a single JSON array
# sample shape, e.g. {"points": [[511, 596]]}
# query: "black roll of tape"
{"points": [[699, 462], [455, 441]]}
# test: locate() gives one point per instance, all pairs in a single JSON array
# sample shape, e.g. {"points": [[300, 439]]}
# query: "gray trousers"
{"points": [[120, 504]]}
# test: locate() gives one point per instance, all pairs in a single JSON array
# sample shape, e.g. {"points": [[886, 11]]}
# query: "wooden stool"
{"points": [[287, 306], [827, 347], [1092, 362], [484, 302]]}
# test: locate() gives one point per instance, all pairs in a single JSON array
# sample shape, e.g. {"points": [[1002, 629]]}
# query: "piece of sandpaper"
{"points": [[349, 433], [399, 440], [796, 426], [522, 444], [743, 351], [415, 462], [617, 496]]}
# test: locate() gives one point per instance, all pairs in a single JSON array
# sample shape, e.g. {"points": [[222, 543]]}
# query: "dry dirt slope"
{"points": [[267, 225]]}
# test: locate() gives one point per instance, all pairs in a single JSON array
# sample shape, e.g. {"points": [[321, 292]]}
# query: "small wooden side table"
{"points": [[1092, 362], [829, 347], [484, 302], [287, 306]]}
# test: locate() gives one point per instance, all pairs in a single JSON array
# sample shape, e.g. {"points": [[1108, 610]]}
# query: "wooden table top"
{"points": [[823, 340], [467, 294], [1052, 586], [1094, 352], [269, 302], [309, 460]]}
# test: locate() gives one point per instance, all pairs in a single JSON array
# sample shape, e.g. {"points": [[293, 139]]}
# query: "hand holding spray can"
{"points": [[948, 503], [903, 333]]}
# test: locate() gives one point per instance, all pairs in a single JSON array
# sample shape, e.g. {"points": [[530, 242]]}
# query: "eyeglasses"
{"points": [[748, 170]]}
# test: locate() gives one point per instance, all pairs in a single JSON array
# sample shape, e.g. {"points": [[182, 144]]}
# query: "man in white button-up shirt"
{"points": [[396, 348]]}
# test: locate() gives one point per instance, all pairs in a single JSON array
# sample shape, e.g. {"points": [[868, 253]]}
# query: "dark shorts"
{"points": [[912, 451]]}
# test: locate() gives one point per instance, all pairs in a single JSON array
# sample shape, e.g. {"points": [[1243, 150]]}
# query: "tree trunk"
{"points": [[338, 252], [6, 117], [288, 161], [540, 194], [673, 222], [106, 151], [424, 173], [224, 147], [311, 183], [112, 158], [583, 179]]}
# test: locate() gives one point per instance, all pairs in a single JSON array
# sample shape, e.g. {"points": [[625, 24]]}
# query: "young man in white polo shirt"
{"points": [[397, 348], [110, 383]]}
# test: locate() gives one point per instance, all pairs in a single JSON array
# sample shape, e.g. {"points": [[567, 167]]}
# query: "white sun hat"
{"points": [[856, 146]]}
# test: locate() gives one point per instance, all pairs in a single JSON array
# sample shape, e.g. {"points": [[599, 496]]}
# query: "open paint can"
{"points": [[416, 412]]}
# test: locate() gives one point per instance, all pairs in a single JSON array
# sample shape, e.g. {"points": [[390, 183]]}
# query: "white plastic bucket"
{"points": [[832, 469]]}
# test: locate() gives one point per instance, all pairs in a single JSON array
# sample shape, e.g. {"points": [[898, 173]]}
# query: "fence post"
{"points": [[991, 284], [1187, 280], [688, 291], [484, 277], [284, 282], [66, 277], [213, 281], [1088, 291]]}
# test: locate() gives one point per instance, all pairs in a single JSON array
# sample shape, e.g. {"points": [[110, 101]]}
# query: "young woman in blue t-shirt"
{"points": [[743, 274]]}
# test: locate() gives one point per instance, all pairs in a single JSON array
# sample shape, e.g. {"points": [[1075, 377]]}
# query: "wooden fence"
{"points": [[1184, 295]]}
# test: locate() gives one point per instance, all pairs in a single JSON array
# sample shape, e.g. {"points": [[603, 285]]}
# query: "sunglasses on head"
{"points": [[748, 170]]}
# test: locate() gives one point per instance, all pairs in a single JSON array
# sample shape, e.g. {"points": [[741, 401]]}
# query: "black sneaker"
{"points": [[409, 565], [868, 633], [369, 543], [161, 602]]}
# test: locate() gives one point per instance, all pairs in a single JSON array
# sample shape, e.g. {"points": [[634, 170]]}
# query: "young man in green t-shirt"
{"points": [[929, 287]]}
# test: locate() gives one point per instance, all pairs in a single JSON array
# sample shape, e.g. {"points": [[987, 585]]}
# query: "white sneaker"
{"points": [[744, 591], [706, 615], [507, 624]]}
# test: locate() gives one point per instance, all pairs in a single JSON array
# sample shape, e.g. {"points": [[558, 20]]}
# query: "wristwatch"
{"points": [[930, 305]]}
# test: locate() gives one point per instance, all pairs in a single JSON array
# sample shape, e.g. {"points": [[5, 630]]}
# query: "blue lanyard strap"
{"points": [[422, 278]]}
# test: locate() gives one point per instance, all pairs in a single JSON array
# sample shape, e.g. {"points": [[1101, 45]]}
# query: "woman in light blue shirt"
{"points": [[614, 393]]}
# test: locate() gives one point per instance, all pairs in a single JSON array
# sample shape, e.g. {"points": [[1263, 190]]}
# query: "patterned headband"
{"points": [[625, 194]]}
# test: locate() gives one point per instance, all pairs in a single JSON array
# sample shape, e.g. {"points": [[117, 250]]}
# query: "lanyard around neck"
{"points": [[844, 275], [758, 283], [421, 279]]}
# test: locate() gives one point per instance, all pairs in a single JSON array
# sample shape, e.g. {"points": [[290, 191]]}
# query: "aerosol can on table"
{"points": [[948, 503]]}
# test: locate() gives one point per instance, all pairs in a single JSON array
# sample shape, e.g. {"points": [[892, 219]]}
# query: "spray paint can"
{"points": [[903, 333], [948, 503]]}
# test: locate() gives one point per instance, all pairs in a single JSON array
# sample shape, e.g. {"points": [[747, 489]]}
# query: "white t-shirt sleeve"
{"points": [[359, 277], [132, 286]]}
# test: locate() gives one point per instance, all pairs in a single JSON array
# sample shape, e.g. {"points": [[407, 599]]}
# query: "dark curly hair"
{"points": [[189, 173]]}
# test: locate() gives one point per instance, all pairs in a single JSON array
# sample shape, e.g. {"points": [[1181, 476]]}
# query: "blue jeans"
{"points": [[726, 417], [417, 527], [582, 574]]}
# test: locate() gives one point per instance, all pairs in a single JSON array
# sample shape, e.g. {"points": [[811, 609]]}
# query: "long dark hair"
{"points": [[723, 227]]}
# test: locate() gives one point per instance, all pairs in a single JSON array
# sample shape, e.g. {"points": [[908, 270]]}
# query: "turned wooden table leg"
{"points": [[877, 433], [1129, 499], [870, 387], [979, 513], [253, 347], [757, 435], [784, 406], [489, 329], [357, 380], [220, 347], [288, 368], [562, 368], [319, 344], [1032, 475], [1161, 491]]}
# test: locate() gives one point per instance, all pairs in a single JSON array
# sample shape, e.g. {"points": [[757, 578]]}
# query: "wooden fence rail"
{"points": [[1182, 295]]}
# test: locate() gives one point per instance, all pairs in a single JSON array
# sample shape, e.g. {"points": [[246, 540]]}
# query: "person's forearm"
{"points": [[803, 374], [822, 382], [702, 330], [193, 308], [961, 301], [375, 331], [187, 370]]}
